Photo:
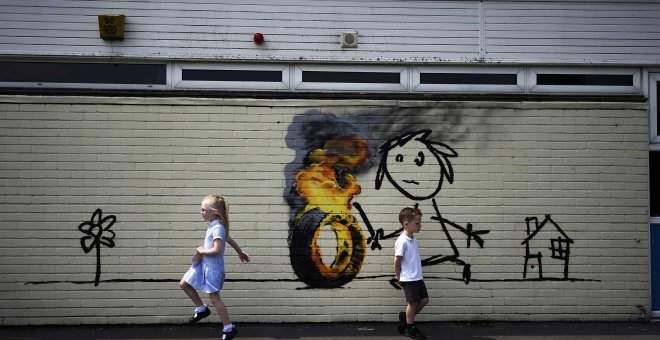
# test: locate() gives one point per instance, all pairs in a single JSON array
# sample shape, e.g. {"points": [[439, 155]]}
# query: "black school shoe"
{"points": [[200, 315], [402, 322], [229, 335], [413, 332]]}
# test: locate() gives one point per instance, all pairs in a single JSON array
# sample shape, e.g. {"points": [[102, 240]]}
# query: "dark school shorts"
{"points": [[415, 290]]}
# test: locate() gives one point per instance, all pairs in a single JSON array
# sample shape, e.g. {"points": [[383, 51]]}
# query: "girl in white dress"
{"points": [[207, 272]]}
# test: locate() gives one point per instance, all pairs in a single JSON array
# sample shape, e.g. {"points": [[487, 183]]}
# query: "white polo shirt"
{"points": [[411, 264]]}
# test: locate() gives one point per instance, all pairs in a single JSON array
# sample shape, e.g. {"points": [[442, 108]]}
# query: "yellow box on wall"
{"points": [[111, 27]]}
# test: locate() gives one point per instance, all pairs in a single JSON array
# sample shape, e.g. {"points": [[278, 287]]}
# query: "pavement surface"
{"points": [[435, 330]]}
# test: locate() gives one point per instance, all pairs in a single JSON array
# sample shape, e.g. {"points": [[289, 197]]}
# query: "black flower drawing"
{"points": [[96, 235]]}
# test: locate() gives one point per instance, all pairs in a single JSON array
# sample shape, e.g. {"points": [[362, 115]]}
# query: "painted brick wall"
{"points": [[577, 170]]}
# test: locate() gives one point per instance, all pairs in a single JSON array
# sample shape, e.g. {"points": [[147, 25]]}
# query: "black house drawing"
{"points": [[559, 245]]}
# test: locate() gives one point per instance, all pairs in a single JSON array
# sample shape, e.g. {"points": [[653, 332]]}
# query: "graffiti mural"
{"points": [[324, 198], [97, 232], [321, 194], [324, 187], [554, 240], [402, 160]]}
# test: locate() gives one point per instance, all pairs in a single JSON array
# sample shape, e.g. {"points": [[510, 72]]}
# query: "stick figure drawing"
{"points": [[403, 160]]}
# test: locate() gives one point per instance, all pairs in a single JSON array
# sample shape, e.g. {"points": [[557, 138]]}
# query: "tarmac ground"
{"points": [[434, 330]]}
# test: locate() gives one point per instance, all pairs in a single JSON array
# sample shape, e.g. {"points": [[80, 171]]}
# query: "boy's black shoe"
{"points": [[413, 332], [229, 335], [200, 315], [402, 322]]}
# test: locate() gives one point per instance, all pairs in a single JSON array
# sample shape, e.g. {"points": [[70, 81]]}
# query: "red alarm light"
{"points": [[258, 38]]}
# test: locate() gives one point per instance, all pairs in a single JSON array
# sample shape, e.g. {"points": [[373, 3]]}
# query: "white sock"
{"points": [[201, 308], [228, 328]]}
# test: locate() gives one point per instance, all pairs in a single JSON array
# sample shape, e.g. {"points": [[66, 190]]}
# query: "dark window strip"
{"points": [[469, 78], [585, 79], [654, 183], [657, 107], [231, 75], [351, 77], [81, 73]]}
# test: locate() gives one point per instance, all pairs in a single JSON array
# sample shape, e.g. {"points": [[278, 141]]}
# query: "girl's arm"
{"points": [[217, 247], [245, 257]]}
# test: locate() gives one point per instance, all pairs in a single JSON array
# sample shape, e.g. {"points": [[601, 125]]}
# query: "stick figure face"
{"points": [[415, 165], [409, 164]]}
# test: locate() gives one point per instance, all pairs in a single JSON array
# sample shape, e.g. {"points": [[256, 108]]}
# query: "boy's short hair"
{"points": [[407, 214]]}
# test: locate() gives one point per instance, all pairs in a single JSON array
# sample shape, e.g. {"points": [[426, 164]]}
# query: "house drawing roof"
{"points": [[538, 228]]}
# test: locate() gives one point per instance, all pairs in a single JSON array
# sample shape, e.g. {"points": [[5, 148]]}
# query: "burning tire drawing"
{"points": [[323, 190], [306, 254]]}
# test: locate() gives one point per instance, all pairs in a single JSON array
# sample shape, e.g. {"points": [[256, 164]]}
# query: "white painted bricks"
{"points": [[149, 162]]}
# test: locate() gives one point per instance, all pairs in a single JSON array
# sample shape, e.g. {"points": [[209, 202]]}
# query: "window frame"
{"points": [[96, 86], [417, 86], [652, 219], [534, 87], [654, 138], [409, 78], [402, 86], [179, 84]]}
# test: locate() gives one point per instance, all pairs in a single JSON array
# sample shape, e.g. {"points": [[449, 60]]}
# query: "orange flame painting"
{"points": [[327, 187]]}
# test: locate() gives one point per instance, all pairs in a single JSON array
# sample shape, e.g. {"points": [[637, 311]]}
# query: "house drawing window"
{"points": [[560, 248]]}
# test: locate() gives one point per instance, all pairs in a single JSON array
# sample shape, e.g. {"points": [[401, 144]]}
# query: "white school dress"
{"points": [[208, 275]]}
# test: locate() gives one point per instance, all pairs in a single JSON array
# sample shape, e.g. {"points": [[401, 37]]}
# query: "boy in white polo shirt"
{"points": [[408, 269]]}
